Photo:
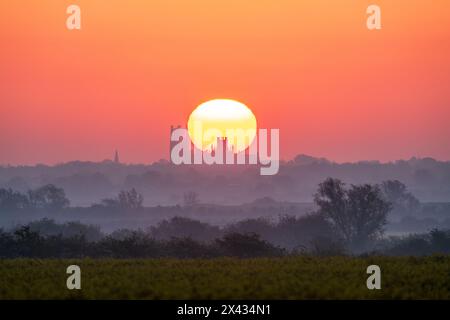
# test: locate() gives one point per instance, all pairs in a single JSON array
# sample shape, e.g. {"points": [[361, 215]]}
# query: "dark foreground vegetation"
{"points": [[347, 220], [228, 278], [185, 238]]}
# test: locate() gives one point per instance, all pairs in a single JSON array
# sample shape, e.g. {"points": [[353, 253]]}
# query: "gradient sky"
{"points": [[311, 68]]}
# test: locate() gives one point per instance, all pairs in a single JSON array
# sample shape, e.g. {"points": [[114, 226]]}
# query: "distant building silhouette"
{"points": [[116, 157], [228, 155], [172, 143]]}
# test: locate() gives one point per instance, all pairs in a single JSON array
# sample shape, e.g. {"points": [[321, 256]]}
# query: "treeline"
{"points": [[161, 182], [23, 242], [45, 197], [51, 197], [348, 218], [186, 238]]}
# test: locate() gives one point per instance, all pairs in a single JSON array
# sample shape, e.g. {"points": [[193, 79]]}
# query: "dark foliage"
{"points": [[24, 241], [10, 199], [435, 242], [358, 214], [48, 227], [180, 227], [46, 197], [403, 202], [246, 246], [293, 233], [126, 199]]}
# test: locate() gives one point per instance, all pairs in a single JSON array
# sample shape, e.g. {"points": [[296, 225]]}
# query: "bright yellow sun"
{"points": [[222, 118]]}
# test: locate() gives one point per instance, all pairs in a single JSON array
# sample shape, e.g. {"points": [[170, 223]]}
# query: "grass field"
{"points": [[228, 278]]}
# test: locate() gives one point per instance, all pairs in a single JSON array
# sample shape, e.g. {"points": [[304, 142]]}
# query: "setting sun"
{"points": [[222, 118]]}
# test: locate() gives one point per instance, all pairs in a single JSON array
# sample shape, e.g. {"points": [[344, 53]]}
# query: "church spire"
{"points": [[116, 157]]}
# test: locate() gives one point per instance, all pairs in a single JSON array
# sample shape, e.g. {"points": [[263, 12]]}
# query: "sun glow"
{"points": [[222, 118]]}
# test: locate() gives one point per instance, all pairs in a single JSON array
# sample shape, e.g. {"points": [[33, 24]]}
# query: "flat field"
{"points": [[228, 278]]}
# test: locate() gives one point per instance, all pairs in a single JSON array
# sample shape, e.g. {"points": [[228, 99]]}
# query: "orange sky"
{"points": [[310, 68]]}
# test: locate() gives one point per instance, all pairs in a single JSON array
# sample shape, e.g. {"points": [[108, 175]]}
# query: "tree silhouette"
{"points": [[130, 199], [358, 214], [190, 198], [397, 194], [48, 197], [125, 200], [10, 199]]}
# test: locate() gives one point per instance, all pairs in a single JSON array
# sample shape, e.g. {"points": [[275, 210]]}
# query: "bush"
{"points": [[179, 227], [48, 227], [137, 245], [435, 242], [246, 246]]}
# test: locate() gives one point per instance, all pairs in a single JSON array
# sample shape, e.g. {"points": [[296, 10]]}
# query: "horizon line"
{"points": [[9, 165]]}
